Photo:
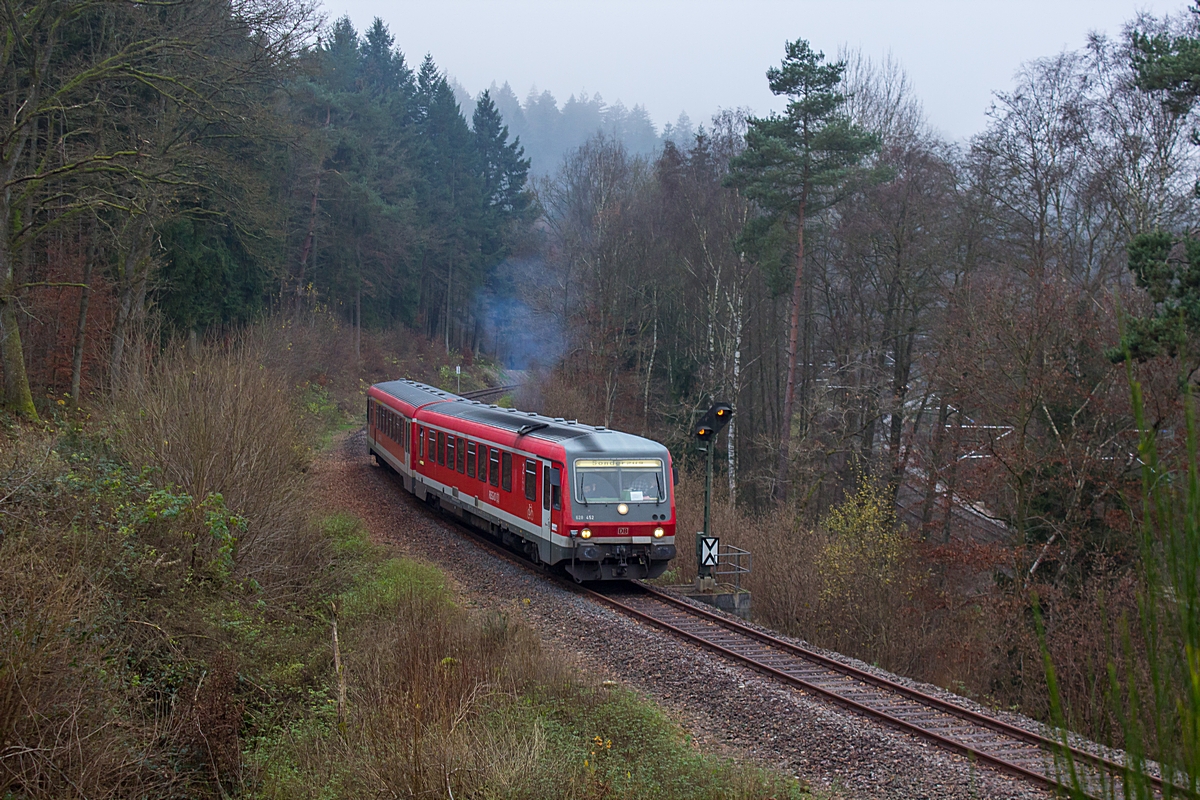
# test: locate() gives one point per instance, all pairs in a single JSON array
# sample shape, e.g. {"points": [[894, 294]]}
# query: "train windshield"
{"points": [[620, 480]]}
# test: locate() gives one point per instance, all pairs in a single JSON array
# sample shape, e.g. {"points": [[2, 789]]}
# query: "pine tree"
{"points": [[503, 165], [385, 76], [794, 165]]}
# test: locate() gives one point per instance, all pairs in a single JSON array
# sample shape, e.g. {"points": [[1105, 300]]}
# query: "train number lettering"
{"points": [[493, 496]]}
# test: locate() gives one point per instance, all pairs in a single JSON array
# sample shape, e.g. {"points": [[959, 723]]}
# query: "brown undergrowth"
{"points": [[168, 597], [951, 615]]}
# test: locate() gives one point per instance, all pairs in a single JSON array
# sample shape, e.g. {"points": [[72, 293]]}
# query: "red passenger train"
{"points": [[598, 503]]}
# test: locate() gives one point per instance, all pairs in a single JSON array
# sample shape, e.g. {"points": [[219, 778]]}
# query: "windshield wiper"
{"points": [[583, 495], [658, 480]]}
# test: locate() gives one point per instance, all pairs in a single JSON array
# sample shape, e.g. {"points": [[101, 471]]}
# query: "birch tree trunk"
{"points": [[731, 442]]}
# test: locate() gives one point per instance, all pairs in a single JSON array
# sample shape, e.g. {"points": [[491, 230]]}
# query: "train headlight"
{"points": [[586, 533], [622, 508], [658, 532]]}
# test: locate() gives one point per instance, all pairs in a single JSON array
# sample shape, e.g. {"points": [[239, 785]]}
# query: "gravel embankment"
{"points": [[729, 709]]}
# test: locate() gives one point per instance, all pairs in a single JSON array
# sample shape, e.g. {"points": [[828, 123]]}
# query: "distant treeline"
{"points": [[549, 132]]}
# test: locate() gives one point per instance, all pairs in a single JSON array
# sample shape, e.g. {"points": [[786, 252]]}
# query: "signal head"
{"points": [[716, 418]]}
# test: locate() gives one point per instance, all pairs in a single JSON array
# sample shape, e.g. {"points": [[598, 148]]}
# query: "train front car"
{"points": [[621, 507], [596, 503]]}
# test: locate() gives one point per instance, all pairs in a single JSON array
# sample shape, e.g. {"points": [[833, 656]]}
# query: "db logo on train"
{"points": [[622, 531]]}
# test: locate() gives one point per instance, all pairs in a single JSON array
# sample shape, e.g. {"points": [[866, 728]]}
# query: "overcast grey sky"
{"points": [[700, 55]]}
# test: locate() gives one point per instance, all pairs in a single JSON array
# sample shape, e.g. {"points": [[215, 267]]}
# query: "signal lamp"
{"points": [[658, 532], [715, 419], [622, 508], [586, 533]]}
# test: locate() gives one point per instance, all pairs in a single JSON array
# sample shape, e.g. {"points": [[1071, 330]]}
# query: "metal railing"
{"points": [[732, 561]]}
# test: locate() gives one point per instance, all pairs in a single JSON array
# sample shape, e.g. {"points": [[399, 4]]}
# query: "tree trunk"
{"points": [[132, 275], [650, 370], [933, 468], [81, 326], [358, 304], [952, 482], [449, 279], [789, 391], [902, 362], [17, 397], [731, 441], [309, 238]]}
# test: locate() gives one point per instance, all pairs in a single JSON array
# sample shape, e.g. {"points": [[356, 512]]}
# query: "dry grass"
{"points": [[427, 683]]}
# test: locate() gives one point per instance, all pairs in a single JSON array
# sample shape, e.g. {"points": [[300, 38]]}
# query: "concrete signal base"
{"points": [[724, 596]]}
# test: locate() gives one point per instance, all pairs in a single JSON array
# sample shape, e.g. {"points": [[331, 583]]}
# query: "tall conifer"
{"points": [[794, 165]]}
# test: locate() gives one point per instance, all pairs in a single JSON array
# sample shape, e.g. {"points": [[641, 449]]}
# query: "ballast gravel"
{"points": [[730, 710]]}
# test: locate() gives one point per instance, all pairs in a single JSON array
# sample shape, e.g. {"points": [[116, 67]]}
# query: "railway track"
{"points": [[982, 738], [480, 394]]}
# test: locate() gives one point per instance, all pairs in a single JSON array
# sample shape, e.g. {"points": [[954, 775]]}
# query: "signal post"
{"points": [[707, 545]]}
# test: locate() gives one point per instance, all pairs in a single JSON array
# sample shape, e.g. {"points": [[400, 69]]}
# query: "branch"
{"points": [[52, 284]]}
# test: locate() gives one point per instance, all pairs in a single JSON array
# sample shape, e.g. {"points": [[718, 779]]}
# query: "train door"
{"points": [[402, 435], [551, 500]]}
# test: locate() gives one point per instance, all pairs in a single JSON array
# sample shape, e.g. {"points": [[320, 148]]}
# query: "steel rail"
{"points": [[995, 726]]}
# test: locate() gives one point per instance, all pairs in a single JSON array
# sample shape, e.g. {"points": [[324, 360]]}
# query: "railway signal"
{"points": [[706, 430], [713, 422]]}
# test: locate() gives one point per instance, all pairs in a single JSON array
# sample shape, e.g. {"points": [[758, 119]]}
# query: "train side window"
{"points": [[470, 459], [441, 447], [404, 432], [506, 472], [450, 448], [431, 448], [460, 462], [494, 466], [530, 479], [546, 488], [483, 455], [421, 441], [370, 402], [556, 488]]}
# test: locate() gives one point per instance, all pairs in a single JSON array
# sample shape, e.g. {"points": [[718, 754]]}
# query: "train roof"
{"points": [[414, 393], [576, 437]]}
